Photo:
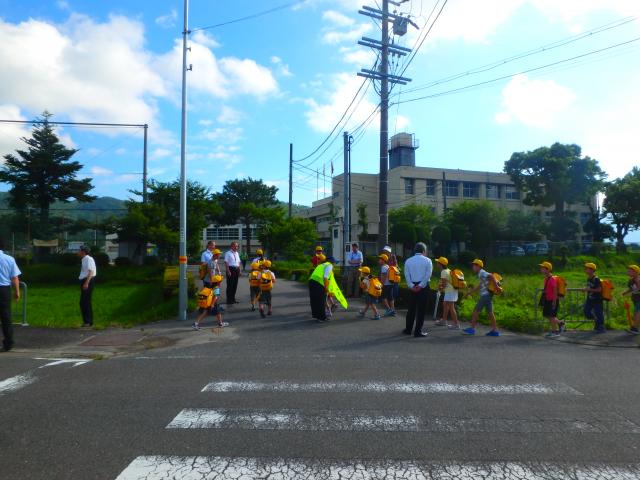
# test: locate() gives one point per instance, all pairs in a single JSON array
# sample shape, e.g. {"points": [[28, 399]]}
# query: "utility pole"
{"points": [[290, 179], [145, 171], [182, 260], [346, 234], [382, 75]]}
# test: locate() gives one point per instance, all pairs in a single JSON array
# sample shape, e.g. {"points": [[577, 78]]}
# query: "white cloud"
{"points": [[229, 116], [358, 56], [222, 135], [401, 123], [338, 19], [535, 103], [203, 38], [100, 172], [159, 153], [168, 20], [11, 133], [333, 37], [283, 68]]}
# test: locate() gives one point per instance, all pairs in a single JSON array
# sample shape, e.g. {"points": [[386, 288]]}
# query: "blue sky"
{"points": [[288, 76]]}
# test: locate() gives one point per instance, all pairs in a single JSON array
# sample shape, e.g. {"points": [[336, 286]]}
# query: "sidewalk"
{"points": [[612, 338]]}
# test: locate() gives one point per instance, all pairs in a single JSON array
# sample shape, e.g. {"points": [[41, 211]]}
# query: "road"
{"points": [[285, 397]]}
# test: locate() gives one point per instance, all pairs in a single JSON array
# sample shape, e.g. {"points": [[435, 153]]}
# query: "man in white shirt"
{"points": [[88, 273], [417, 272], [9, 277], [354, 262], [232, 263]]}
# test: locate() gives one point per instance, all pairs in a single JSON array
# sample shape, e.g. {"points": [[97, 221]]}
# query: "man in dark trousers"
{"points": [[9, 273], [87, 279], [233, 263], [417, 272]]}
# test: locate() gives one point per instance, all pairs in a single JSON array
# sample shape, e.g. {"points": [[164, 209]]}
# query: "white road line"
{"points": [[292, 420], [61, 361], [218, 468], [203, 418], [379, 387], [16, 383]]}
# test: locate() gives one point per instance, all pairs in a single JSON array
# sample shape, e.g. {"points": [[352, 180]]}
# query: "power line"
{"points": [[250, 17]]}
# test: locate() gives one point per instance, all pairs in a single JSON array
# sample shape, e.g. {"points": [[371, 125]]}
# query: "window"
{"points": [[254, 233], [431, 188], [335, 233], [408, 186], [451, 189], [510, 193], [470, 190], [223, 233], [493, 191]]}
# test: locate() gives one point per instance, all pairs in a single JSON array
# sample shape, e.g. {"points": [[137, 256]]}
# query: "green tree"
{"points": [[247, 201], [411, 224], [363, 221], [555, 176], [482, 220], [521, 226], [441, 234], [597, 228], [622, 204], [290, 237], [43, 174]]}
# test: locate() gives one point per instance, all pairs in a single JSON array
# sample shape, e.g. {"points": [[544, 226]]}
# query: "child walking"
{"points": [[388, 286], [550, 299], [254, 284], [450, 296], [267, 280], [208, 303], [367, 285], [593, 308], [634, 290], [486, 299]]}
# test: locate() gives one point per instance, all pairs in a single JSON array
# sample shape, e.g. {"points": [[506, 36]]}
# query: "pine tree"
{"points": [[43, 174]]}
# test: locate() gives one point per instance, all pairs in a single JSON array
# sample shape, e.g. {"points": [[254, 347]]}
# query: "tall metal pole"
{"points": [[383, 234], [349, 223], [290, 179], [144, 166], [182, 300], [345, 183]]}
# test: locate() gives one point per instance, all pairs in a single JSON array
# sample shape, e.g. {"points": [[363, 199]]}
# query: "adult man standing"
{"points": [[417, 272], [354, 262], [9, 273], [87, 279], [232, 262]]}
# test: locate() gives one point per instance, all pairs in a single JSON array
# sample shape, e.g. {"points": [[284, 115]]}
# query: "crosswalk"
{"points": [[385, 421]]}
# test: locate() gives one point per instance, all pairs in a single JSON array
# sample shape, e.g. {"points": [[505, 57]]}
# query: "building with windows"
{"points": [[224, 235], [438, 188]]}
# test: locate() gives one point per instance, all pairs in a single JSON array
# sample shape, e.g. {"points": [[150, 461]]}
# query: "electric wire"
{"points": [[250, 17]]}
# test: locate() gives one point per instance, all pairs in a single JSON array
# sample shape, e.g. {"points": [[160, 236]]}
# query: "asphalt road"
{"points": [[285, 397]]}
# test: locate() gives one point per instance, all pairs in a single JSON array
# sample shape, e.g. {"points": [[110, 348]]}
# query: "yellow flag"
{"points": [[334, 290]]}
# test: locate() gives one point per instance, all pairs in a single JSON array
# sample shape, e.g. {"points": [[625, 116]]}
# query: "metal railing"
{"points": [[571, 307], [23, 311]]}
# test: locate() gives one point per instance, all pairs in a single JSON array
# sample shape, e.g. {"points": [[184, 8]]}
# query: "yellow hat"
{"points": [[478, 262], [267, 264], [635, 268], [443, 261], [319, 248], [259, 252], [216, 278], [384, 257], [216, 252], [546, 265], [590, 265], [255, 266], [322, 258], [365, 270]]}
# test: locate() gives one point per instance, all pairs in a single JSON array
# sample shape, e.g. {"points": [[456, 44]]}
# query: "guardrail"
{"points": [[571, 307], [23, 312]]}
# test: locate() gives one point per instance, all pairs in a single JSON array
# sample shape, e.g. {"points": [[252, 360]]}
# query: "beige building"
{"points": [[438, 188]]}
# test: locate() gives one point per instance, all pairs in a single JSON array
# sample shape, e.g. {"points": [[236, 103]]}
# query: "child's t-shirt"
{"points": [[550, 285], [384, 270], [594, 283], [484, 276], [445, 276]]}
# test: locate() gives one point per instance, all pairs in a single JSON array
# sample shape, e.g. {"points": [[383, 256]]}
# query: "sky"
{"points": [[287, 77]]}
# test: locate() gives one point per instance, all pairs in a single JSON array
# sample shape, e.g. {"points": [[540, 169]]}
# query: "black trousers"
{"points": [[85, 301], [417, 310], [232, 284], [5, 316], [318, 300]]}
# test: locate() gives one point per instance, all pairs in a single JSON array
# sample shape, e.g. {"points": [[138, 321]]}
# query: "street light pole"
{"points": [[182, 280]]}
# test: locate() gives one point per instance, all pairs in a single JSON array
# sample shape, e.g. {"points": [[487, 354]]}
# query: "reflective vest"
{"points": [[334, 289], [318, 273]]}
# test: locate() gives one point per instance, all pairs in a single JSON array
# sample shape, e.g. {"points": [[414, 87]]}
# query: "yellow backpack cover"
{"points": [[394, 274], [562, 286], [205, 298], [375, 287], [492, 287], [254, 278], [607, 290], [266, 281], [457, 279]]}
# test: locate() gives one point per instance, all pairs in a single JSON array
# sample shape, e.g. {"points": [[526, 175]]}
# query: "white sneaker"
{"points": [[223, 324]]}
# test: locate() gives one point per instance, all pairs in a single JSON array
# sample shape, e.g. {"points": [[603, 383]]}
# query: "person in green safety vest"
{"points": [[322, 284]]}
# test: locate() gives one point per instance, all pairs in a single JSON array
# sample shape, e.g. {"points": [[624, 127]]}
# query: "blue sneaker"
{"points": [[493, 333], [469, 331]]}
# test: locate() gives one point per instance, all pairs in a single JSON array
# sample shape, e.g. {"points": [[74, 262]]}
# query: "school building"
{"points": [[437, 188], [224, 235]]}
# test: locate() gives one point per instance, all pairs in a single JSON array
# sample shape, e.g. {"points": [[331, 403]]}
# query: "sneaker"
{"points": [[469, 331], [377, 317], [634, 331], [361, 313], [552, 334], [253, 308], [387, 313], [492, 333], [562, 327], [223, 324], [393, 313], [453, 327], [196, 326], [440, 323]]}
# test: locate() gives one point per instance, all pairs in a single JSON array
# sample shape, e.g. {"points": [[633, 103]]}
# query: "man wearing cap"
{"points": [[315, 260], [417, 272], [633, 289], [593, 308], [9, 277], [354, 262], [88, 273], [550, 299], [486, 299]]}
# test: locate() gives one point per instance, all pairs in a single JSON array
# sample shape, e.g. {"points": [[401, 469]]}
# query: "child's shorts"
{"points": [[371, 300], [486, 301], [255, 291], [265, 298], [388, 292], [636, 307], [549, 310], [215, 310]]}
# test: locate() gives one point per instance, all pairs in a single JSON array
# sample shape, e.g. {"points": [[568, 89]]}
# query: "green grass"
{"points": [[113, 305]]}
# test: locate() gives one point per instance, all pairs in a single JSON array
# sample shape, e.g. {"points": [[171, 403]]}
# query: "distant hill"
{"points": [[296, 208], [101, 207]]}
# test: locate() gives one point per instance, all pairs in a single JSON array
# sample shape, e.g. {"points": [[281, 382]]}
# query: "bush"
{"points": [[123, 262], [102, 259], [68, 259], [151, 261], [465, 258]]}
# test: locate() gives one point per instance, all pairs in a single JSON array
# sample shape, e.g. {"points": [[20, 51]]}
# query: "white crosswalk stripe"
{"points": [[16, 383]]}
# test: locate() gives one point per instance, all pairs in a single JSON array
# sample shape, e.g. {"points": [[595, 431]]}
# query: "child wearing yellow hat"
{"points": [[634, 290], [550, 299], [486, 299], [208, 303], [593, 306], [366, 279], [450, 296]]}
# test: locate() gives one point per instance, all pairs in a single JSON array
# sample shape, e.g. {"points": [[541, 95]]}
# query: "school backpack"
{"points": [[457, 279], [492, 287], [254, 278], [607, 290], [205, 298], [375, 287], [394, 274], [562, 286], [202, 271], [266, 282]]}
